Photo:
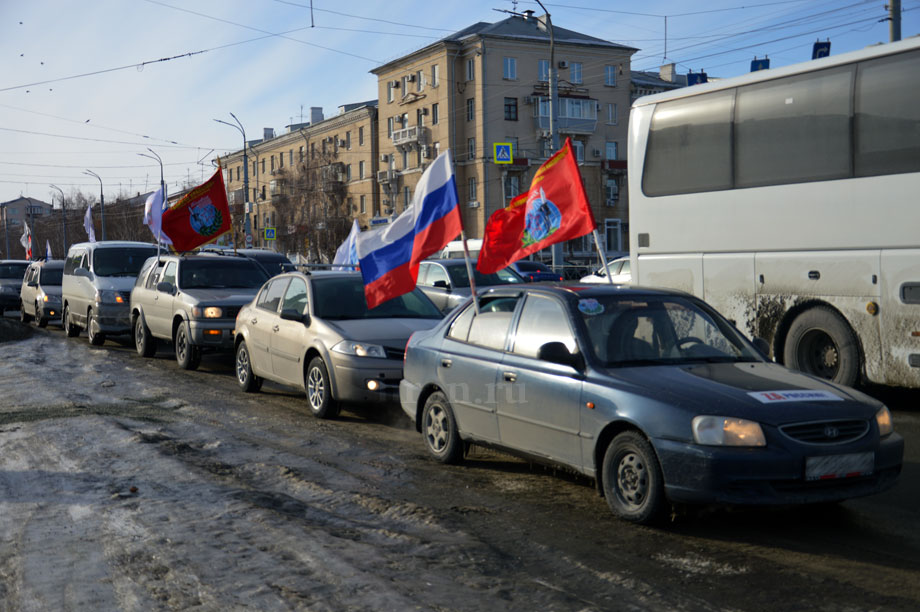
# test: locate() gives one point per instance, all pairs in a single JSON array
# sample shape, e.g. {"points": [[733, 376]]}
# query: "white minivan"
{"points": [[96, 287]]}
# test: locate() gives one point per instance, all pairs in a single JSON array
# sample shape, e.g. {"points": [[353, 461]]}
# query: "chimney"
{"points": [[528, 14], [668, 72], [316, 114], [268, 133]]}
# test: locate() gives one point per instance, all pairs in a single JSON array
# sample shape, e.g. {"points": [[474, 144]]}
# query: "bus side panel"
{"points": [[899, 316], [682, 272], [728, 286]]}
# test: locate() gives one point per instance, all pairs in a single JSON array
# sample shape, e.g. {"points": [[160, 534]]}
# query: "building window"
{"points": [[543, 71], [347, 172], [407, 198], [575, 73], [512, 186], [419, 81], [312, 150], [361, 170], [471, 189], [610, 76], [391, 123], [511, 109], [435, 75], [611, 114], [348, 140], [363, 202], [510, 68], [405, 85], [272, 163], [419, 117], [434, 114], [471, 148], [579, 147], [405, 159], [470, 109], [360, 136], [611, 150], [389, 91], [514, 144], [280, 160], [470, 69], [263, 166], [612, 190]]}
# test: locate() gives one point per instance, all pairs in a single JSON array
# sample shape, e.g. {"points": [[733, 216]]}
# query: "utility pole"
{"points": [[894, 26], [247, 223], [63, 219]]}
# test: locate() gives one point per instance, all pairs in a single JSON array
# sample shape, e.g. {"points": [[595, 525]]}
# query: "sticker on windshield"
{"points": [[796, 395], [590, 306]]}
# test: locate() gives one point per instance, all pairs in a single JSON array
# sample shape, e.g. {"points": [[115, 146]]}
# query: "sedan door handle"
{"points": [[253, 321], [275, 328], [510, 376], [446, 363]]}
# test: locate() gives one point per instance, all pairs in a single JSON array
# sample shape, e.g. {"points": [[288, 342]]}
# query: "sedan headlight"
{"points": [[360, 349], [727, 431], [109, 297], [207, 312], [883, 418]]}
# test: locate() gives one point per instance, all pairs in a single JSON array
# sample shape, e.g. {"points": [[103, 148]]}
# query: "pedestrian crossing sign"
{"points": [[502, 152], [269, 233]]}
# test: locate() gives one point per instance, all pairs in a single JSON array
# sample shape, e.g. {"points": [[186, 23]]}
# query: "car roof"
{"points": [[104, 244], [10, 261], [52, 263], [573, 290]]}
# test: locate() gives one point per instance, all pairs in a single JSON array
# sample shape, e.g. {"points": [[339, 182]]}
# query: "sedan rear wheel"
{"points": [[319, 392], [249, 382], [440, 429], [632, 480]]}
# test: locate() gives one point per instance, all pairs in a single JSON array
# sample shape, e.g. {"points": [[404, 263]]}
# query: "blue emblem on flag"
{"points": [[541, 219]]}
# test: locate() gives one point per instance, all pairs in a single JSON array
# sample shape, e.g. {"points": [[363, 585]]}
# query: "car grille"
{"points": [[394, 353], [826, 432], [230, 312]]}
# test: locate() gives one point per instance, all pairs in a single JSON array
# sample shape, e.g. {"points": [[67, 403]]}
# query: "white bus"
{"points": [[789, 199]]}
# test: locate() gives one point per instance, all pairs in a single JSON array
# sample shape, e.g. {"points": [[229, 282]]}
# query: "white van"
{"points": [[454, 250], [96, 287]]}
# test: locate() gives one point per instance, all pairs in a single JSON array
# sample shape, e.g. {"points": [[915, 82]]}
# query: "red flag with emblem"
{"points": [[200, 217]]}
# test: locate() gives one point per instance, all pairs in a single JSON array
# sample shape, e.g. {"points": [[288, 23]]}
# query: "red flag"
{"points": [[200, 217], [555, 209]]}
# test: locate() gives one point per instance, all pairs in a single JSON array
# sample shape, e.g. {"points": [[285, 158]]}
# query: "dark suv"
{"points": [[191, 301]]}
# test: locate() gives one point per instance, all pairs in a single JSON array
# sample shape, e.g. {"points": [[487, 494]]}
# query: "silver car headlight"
{"points": [[109, 297], [360, 349], [727, 431], [883, 419], [51, 299], [207, 312]]}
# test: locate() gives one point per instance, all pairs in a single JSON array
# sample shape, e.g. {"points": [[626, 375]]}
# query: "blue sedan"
{"points": [[535, 271], [651, 393]]}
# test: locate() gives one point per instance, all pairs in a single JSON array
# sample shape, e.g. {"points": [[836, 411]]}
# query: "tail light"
{"points": [[406, 350]]}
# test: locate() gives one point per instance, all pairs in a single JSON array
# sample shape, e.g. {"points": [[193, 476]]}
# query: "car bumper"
{"points": [[113, 318], [353, 374], [408, 398], [212, 334], [712, 475], [49, 312]]}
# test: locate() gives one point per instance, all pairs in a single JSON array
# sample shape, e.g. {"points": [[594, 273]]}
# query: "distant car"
{"points": [[315, 332], [273, 262], [191, 301], [40, 294], [619, 272], [534, 271], [12, 272], [447, 283], [650, 392]]}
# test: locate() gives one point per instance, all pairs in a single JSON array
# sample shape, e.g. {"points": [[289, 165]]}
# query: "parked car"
{"points": [[619, 272], [191, 301], [12, 272], [40, 294], [273, 262], [447, 283], [96, 287], [651, 392], [535, 271], [315, 332]]}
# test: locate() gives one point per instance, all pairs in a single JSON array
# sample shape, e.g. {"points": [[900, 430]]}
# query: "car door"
{"points": [[289, 337], [28, 290], [261, 321], [539, 402], [159, 307], [436, 284]]}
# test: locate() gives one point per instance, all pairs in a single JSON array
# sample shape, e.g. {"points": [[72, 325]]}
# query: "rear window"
{"points": [[13, 270], [121, 261]]}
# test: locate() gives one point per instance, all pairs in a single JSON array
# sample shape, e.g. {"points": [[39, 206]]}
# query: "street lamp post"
{"points": [[63, 218], [157, 158], [101, 199], [247, 224]]}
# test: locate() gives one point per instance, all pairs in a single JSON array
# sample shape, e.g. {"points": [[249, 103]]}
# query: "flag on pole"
{"points": [[346, 256], [200, 217], [554, 209], [47, 251], [389, 258], [153, 215], [26, 240], [88, 223]]}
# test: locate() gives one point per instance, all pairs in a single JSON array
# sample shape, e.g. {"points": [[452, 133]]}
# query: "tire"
{"points": [[319, 391], [96, 337], [439, 428], [23, 316], [249, 382], [145, 344], [188, 355], [40, 321], [821, 343], [70, 329], [632, 480]]}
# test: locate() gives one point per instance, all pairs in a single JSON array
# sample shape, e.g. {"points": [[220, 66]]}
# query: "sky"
{"points": [[90, 85]]}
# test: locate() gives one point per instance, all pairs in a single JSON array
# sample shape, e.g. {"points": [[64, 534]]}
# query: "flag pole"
{"points": [[597, 243], [469, 268]]}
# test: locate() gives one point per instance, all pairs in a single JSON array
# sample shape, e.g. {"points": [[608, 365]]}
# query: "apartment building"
{"points": [[488, 84]]}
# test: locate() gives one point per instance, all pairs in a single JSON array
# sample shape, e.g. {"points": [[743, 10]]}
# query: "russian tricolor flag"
{"points": [[389, 258]]}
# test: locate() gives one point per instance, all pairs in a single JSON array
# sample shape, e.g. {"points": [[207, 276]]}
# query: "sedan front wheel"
{"points": [[319, 391], [632, 480]]}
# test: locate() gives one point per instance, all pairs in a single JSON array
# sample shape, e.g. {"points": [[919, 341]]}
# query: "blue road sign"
{"points": [[269, 233], [821, 49], [502, 152]]}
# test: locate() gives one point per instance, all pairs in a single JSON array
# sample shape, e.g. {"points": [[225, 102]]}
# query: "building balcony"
{"points": [[411, 136]]}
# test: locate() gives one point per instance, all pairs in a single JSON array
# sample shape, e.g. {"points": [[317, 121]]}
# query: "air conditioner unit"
{"points": [[384, 158], [425, 111], [563, 64], [340, 177], [342, 143], [394, 84], [411, 78], [387, 210], [528, 99], [385, 176], [611, 201], [473, 204], [426, 152], [597, 152]]}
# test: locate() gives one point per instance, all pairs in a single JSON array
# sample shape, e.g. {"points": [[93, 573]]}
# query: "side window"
{"points": [[169, 275], [295, 298], [460, 328], [272, 294], [543, 320], [422, 273], [490, 327], [142, 279], [154, 277]]}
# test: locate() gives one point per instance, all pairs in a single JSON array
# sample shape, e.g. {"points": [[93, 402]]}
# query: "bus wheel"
{"points": [[820, 342]]}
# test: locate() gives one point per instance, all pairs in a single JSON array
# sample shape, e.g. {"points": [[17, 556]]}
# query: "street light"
{"points": [[157, 158], [101, 199], [63, 217], [239, 127]]}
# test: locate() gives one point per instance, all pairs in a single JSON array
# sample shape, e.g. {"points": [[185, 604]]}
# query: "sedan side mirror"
{"points": [[165, 287], [557, 352], [763, 346], [289, 314], [441, 284], [32, 284]]}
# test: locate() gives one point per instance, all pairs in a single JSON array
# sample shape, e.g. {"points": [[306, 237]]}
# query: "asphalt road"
{"points": [[247, 501]]}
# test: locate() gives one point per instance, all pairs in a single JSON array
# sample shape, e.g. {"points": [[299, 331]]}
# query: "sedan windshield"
{"points": [[121, 261], [51, 276], [460, 278], [654, 330], [13, 270], [342, 297], [221, 273]]}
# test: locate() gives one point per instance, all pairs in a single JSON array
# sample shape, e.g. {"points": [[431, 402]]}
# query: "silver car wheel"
{"points": [[319, 390], [316, 389], [437, 428]]}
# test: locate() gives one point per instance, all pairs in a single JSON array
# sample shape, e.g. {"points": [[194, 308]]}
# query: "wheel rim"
{"points": [[437, 428], [632, 480], [92, 328], [139, 334], [316, 388], [242, 365], [181, 344], [819, 355]]}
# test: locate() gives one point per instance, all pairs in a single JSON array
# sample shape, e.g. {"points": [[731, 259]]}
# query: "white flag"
{"points": [[88, 223], [346, 256], [26, 240], [47, 251], [153, 215]]}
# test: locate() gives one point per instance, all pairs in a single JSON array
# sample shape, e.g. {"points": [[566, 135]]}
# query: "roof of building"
{"points": [[653, 79]]}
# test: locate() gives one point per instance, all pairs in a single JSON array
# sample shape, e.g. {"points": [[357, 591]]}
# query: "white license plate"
{"points": [[839, 466]]}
